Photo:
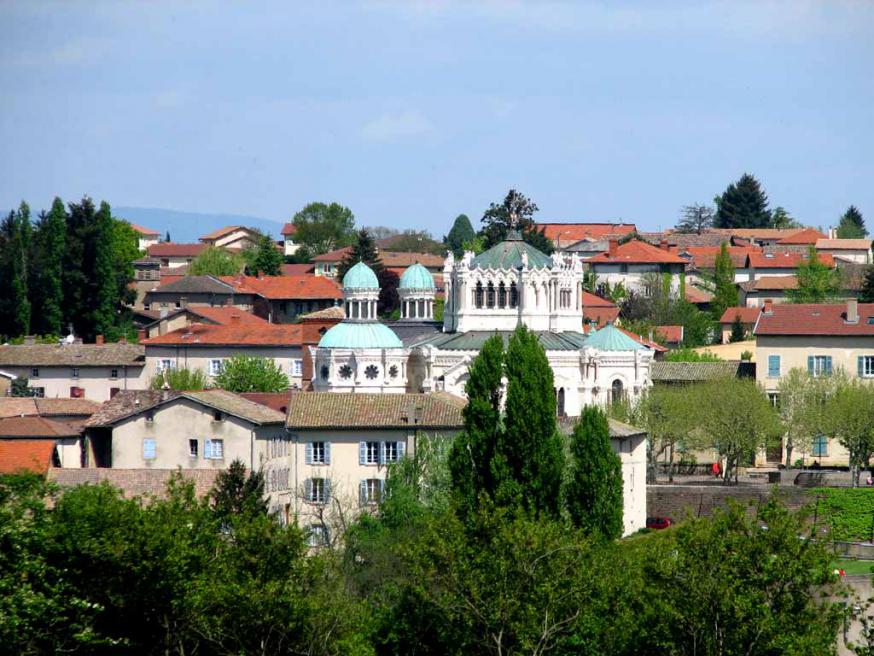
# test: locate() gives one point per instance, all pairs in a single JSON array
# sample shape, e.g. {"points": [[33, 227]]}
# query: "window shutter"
{"points": [[860, 366], [382, 453], [362, 453], [810, 364], [327, 490], [308, 454], [327, 453], [828, 365], [402, 449], [362, 492], [308, 489], [381, 488]]}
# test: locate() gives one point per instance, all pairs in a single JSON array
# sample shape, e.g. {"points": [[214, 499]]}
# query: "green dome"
{"points": [[360, 336], [508, 255], [417, 277], [360, 276], [610, 338]]}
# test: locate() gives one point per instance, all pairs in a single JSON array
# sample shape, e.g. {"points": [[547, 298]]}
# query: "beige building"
{"points": [[145, 236], [171, 255], [289, 246], [637, 265], [191, 314], [91, 371], [231, 237], [819, 339], [849, 250]]}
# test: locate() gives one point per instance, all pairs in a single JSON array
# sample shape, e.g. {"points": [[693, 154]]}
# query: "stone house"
{"points": [[146, 237], [231, 237], [848, 250], [289, 247], [172, 255], [637, 265]]}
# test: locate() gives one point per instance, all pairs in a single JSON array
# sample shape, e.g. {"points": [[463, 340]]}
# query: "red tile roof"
{"points": [[221, 232], [201, 334], [566, 233], [146, 232], [810, 319], [638, 252], [770, 284], [288, 229], [170, 249], [844, 244], [704, 257], [292, 287], [225, 315], [758, 233], [746, 314], [784, 260], [27, 455], [276, 400], [593, 300], [655, 346], [333, 256], [32, 426], [806, 236], [670, 334], [297, 269], [696, 295]]}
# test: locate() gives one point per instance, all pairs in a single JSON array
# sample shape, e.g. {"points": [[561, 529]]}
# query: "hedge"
{"points": [[848, 511]]}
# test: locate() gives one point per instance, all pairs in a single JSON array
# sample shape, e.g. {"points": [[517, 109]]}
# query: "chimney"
{"points": [[613, 247], [235, 318], [768, 308], [852, 310], [663, 244], [141, 335], [99, 339], [122, 340]]}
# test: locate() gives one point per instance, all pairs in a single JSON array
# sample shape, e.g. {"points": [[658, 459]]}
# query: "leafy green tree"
{"points": [[472, 457], [846, 415], [15, 250], [214, 261], [516, 212], [781, 219], [593, 495], [243, 373], [461, 232], [267, 259], [866, 294], [738, 333], [20, 387], [852, 225], [799, 405], [321, 227], [365, 250], [725, 295], [690, 355], [530, 450], [695, 219], [47, 270], [743, 205], [817, 282], [181, 379], [414, 241], [235, 492]]}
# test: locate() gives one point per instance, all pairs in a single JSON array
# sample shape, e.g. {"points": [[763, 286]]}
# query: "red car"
{"points": [[658, 523]]}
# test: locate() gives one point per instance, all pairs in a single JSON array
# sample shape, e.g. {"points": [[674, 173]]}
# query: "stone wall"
{"points": [[675, 501]]}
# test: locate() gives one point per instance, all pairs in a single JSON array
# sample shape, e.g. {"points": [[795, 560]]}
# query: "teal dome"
{"points": [[360, 276], [610, 338], [417, 277], [360, 336]]}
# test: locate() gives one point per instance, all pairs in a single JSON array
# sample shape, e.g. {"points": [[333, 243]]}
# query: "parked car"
{"points": [[658, 523]]}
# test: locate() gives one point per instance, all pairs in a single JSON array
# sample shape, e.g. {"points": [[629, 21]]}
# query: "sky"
{"points": [[412, 112]]}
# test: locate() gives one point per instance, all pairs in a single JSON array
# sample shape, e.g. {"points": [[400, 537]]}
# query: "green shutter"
{"points": [[860, 366], [810, 364], [828, 365]]}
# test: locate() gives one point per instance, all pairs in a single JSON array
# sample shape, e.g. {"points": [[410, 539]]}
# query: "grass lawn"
{"points": [[854, 567]]}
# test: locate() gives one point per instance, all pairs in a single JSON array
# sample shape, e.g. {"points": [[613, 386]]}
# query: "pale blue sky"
{"points": [[411, 112]]}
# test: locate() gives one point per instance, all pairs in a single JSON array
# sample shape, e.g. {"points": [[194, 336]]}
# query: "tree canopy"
{"points": [[743, 205], [216, 261], [322, 227], [695, 219], [243, 373], [852, 225], [725, 295], [364, 250], [817, 282], [461, 232], [515, 212]]}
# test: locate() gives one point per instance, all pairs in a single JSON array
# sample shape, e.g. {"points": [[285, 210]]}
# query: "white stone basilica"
{"points": [[490, 293]]}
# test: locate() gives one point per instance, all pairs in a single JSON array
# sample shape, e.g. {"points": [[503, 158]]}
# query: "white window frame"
{"points": [[297, 367], [391, 453], [820, 363], [372, 490], [318, 457], [372, 454], [317, 535], [214, 449], [318, 491], [215, 367], [164, 364], [867, 366]]}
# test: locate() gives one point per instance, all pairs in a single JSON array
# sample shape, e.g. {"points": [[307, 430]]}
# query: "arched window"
{"points": [[478, 295], [514, 295], [617, 392], [502, 296], [490, 296], [559, 405]]}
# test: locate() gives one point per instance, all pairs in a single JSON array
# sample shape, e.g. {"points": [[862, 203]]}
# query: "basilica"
{"points": [[491, 293]]}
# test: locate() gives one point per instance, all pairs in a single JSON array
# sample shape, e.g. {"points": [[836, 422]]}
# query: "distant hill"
{"points": [[189, 226]]}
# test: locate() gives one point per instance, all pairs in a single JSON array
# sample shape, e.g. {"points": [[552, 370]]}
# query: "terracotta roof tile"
{"points": [[566, 233], [373, 411], [593, 300], [770, 283], [784, 260], [637, 251], [221, 232], [35, 427], [697, 295], [72, 355], [810, 319], [26, 455], [747, 315], [242, 334], [146, 232], [844, 244], [197, 285], [704, 257], [297, 269], [135, 482], [288, 229], [277, 401], [225, 315], [170, 249], [293, 287], [806, 236], [671, 334]]}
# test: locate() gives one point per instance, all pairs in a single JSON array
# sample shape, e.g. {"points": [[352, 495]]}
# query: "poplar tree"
{"points": [[15, 238], [472, 456], [530, 447], [103, 282], [725, 295], [743, 205], [47, 270], [594, 490], [461, 232]]}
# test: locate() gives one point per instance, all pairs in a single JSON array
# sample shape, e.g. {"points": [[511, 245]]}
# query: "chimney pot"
{"points": [[663, 244], [768, 308], [852, 310], [122, 340], [613, 247], [141, 335], [99, 339]]}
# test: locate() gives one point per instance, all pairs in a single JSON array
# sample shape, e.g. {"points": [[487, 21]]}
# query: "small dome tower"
{"points": [[360, 293], [416, 292]]}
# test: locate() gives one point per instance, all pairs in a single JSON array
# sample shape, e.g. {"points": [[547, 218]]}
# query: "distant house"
{"points": [[754, 293], [775, 263], [819, 339], [637, 264], [748, 316], [598, 311], [145, 236], [231, 237], [91, 371], [848, 250], [200, 291], [171, 320], [289, 246], [584, 237], [760, 236], [33, 443], [800, 241], [670, 336], [328, 264], [173, 255]]}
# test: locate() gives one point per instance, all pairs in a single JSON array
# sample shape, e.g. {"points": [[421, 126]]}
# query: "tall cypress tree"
{"points": [[725, 295], [852, 225], [472, 457], [47, 269], [15, 246], [594, 491], [105, 292], [743, 205], [530, 444], [461, 232], [77, 312]]}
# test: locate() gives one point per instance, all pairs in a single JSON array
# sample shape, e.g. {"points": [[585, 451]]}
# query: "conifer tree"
{"points": [[594, 490], [738, 334], [743, 205], [268, 260], [461, 232], [472, 456], [726, 291], [852, 225], [530, 446], [105, 292], [15, 238], [866, 295], [47, 270]]}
